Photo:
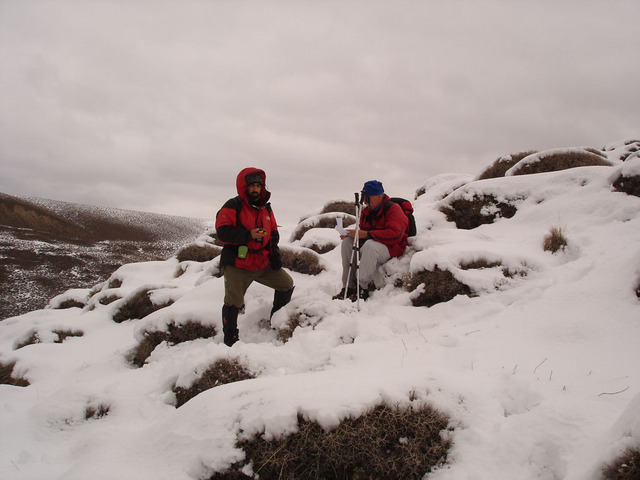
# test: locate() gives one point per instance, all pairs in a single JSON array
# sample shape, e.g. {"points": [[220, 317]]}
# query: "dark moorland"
{"points": [[48, 247]]}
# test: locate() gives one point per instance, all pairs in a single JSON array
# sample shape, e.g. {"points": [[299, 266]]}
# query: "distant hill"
{"points": [[49, 246]]}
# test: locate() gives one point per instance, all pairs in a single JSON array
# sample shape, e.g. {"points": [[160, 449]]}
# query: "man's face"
{"points": [[374, 201], [254, 191]]}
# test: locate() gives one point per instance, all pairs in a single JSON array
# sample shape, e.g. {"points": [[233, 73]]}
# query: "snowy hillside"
{"points": [[536, 367]]}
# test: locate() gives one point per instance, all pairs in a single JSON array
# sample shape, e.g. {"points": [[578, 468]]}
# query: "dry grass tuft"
{"points": [[438, 286], [295, 320], [386, 442], [480, 210], [138, 306], [302, 261], [563, 160], [555, 240], [502, 164], [198, 252], [627, 467], [223, 371], [184, 332], [7, 378]]}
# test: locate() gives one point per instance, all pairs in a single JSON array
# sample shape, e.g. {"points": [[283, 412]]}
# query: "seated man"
{"points": [[383, 234]]}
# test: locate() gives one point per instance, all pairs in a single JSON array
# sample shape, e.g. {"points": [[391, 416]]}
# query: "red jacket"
{"points": [[388, 225], [238, 217]]}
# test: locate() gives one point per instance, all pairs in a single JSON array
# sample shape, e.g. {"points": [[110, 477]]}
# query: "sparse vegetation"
{"points": [[627, 467], [183, 332], [138, 306], [33, 337], [437, 286], [502, 164], [562, 160], [95, 412], [7, 378], [301, 261], [481, 209], [223, 371], [555, 240], [385, 442]]}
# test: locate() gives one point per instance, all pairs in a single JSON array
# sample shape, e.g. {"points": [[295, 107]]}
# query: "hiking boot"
{"points": [[341, 294], [230, 324], [364, 295]]}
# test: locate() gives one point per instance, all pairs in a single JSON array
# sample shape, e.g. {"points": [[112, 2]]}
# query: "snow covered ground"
{"points": [[538, 371]]}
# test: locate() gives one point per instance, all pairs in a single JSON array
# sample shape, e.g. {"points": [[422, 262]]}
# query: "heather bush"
{"points": [[223, 371], [7, 378], [33, 337], [502, 164], [137, 306], [198, 252], [437, 286], [562, 159], [481, 209], [385, 442], [626, 467], [183, 332], [629, 185], [301, 260], [327, 220], [340, 206]]}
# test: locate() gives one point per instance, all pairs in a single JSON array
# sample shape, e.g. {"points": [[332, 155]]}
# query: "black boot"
{"points": [[230, 324], [280, 299]]}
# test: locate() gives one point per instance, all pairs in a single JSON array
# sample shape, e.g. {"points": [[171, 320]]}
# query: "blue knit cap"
{"points": [[373, 188]]}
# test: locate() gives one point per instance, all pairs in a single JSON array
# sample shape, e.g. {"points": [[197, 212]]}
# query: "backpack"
{"points": [[407, 208]]}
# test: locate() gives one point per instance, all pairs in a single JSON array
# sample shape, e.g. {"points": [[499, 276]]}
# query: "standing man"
{"points": [[247, 228], [383, 234]]}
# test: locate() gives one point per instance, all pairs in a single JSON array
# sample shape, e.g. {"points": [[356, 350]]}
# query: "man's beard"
{"points": [[254, 197]]}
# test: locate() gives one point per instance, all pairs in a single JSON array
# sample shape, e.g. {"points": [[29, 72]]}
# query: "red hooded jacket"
{"points": [[236, 219], [388, 225]]}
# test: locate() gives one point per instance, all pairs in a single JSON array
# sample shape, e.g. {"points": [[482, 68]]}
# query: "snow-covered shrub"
{"points": [[198, 252], [301, 260], [627, 467], [559, 159], [385, 442], [621, 151], [555, 240], [174, 334], [433, 286], [223, 371], [138, 305], [502, 164], [7, 378], [479, 210]]}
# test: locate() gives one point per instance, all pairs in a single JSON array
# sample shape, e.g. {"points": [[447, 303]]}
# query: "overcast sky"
{"points": [[157, 105]]}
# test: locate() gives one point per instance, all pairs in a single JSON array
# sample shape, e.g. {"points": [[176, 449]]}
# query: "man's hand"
{"points": [[258, 233], [352, 233]]}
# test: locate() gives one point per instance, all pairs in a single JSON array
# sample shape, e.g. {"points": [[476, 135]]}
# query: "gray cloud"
{"points": [[157, 105]]}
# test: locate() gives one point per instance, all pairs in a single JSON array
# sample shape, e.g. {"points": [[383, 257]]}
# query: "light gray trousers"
{"points": [[372, 255]]}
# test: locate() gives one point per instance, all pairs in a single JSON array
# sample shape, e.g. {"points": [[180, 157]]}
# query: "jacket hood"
{"points": [[241, 185]]}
